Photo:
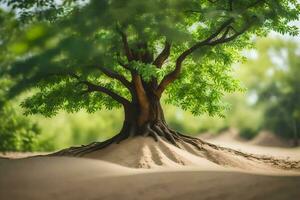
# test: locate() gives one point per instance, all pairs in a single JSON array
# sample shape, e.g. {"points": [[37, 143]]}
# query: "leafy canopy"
{"points": [[55, 46]]}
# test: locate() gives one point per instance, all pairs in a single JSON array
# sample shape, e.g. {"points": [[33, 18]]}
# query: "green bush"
{"points": [[17, 133], [248, 133]]}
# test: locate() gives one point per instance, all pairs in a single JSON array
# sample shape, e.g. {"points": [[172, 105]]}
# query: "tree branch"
{"points": [[115, 75], [224, 37], [97, 88], [127, 50], [175, 73], [93, 88], [139, 88], [136, 79], [125, 66], [169, 78], [163, 56]]}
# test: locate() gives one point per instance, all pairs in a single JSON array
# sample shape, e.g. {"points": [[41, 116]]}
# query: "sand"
{"points": [[140, 168], [141, 152], [264, 138], [228, 136], [16, 155], [259, 145], [78, 178]]}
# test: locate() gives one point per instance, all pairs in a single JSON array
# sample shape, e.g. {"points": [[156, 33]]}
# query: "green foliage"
{"points": [[272, 75], [64, 129], [188, 123], [16, 132], [282, 96], [53, 40], [202, 85], [147, 71], [244, 115], [248, 132]]}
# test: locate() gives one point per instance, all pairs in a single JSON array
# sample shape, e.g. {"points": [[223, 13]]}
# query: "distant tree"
{"points": [[17, 133], [110, 53], [280, 93]]}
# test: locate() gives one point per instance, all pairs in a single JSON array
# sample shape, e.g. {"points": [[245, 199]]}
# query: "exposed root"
{"points": [[84, 149], [155, 130], [160, 131], [148, 131]]}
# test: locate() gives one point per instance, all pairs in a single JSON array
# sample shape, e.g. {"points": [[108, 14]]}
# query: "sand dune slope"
{"points": [[118, 172], [78, 179], [144, 152]]}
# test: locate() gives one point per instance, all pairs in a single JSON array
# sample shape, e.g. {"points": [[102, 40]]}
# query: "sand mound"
{"points": [[206, 136], [211, 175], [266, 138], [230, 135], [227, 136], [143, 152]]}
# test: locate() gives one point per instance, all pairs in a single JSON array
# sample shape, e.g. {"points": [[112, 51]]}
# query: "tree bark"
{"points": [[139, 117]]}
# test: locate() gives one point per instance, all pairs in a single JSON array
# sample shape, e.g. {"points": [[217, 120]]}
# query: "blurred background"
{"points": [[265, 112]]}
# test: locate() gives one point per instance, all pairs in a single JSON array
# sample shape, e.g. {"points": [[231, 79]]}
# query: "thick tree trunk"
{"points": [[139, 122], [144, 120]]}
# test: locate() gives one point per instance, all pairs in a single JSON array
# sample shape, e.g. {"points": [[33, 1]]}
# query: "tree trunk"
{"points": [[145, 121], [139, 119]]}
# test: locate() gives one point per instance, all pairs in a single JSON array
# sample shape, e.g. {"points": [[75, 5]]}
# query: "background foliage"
{"points": [[47, 37]]}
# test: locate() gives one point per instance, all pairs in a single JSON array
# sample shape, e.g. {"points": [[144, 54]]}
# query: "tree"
{"points": [[281, 95], [111, 53], [17, 133]]}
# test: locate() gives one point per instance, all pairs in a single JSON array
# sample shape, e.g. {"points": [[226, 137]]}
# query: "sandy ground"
{"points": [[142, 169], [16, 155], [79, 178], [263, 144]]}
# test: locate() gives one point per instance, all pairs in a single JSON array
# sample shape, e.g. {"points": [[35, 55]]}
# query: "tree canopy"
{"points": [[91, 54]]}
